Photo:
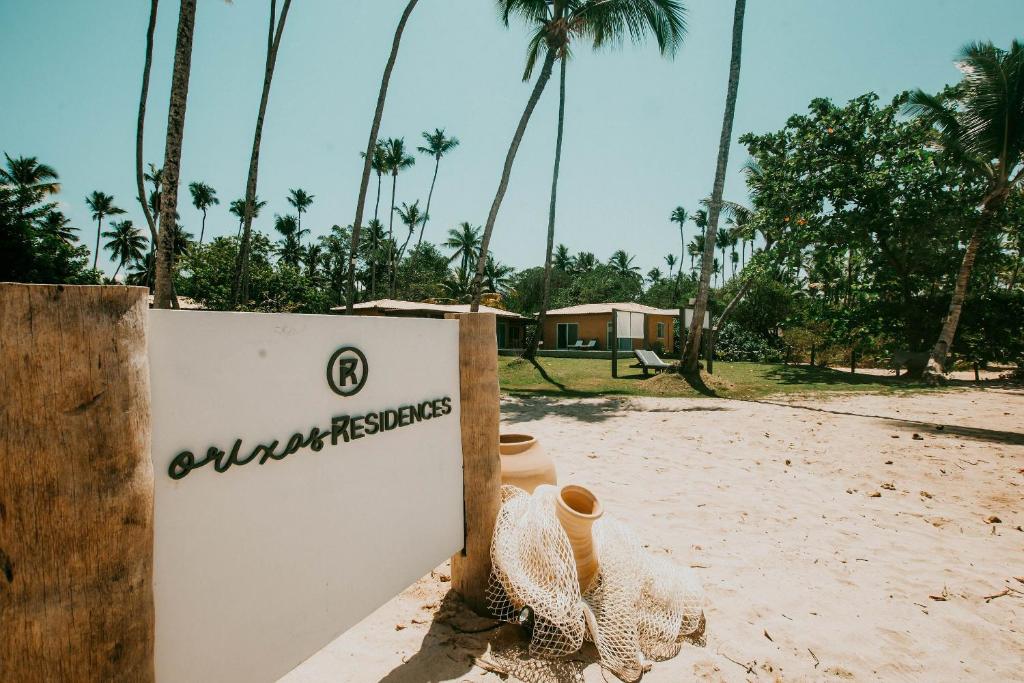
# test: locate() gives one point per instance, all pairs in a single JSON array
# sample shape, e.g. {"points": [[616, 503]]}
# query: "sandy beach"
{"points": [[848, 538]]}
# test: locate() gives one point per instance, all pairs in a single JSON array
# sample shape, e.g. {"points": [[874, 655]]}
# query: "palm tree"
{"points": [[101, 205], [368, 156], [30, 180], [377, 236], [680, 216], [58, 224], [692, 350], [163, 294], [288, 249], [437, 145], [583, 262], [301, 200], [240, 286], [466, 242], [203, 197], [141, 124], [695, 248], [126, 244], [557, 23], [654, 275], [237, 208], [981, 128], [670, 261], [561, 259], [622, 264], [411, 216], [313, 256], [379, 165], [496, 275], [396, 161], [722, 241]]}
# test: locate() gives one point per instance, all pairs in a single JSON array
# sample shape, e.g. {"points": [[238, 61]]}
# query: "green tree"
{"points": [[496, 276], [30, 180], [396, 160], [556, 25], [203, 197], [562, 259], [437, 144], [301, 201], [237, 209], [981, 128], [126, 244], [410, 216], [689, 363], [622, 264], [101, 205], [465, 241]]}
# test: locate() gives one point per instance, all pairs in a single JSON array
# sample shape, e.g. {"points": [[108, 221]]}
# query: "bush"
{"points": [[735, 343]]}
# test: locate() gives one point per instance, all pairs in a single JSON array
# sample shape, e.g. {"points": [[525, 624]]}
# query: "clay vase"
{"points": [[524, 463], [577, 510]]}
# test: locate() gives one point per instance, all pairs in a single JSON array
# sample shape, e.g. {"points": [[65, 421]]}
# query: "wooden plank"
{"points": [[480, 406], [76, 485]]}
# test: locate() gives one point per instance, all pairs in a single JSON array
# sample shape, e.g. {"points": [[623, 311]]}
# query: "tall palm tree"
{"points": [[162, 296], [396, 160], [203, 197], [30, 180], [58, 224], [437, 145], [556, 24], [670, 261], [722, 241], [411, 216], [126, 244], [237, 209], [101, 205], [981, 128], [695, 248], [275, 28], [680, 216], [368, 156], [622, 264], [301, 200], [141, 124], [466, 242], [379, 165], [689, 363]]}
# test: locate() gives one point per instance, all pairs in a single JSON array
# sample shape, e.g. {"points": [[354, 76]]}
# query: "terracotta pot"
{"points": [[524, 463], [577, 509]]}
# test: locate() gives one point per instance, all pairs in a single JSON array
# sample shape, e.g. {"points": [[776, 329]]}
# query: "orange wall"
{"points": [[595, 326]]}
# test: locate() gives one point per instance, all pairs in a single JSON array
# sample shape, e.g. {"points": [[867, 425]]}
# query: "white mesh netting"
{"points": [[639, 606]]}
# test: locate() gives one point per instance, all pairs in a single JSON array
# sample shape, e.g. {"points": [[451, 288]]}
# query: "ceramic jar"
{"points": [[524, 462], [577, 509]]}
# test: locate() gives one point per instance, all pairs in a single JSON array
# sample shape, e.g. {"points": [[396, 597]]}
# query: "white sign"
{"points": [[308, 468], [689, 319]]}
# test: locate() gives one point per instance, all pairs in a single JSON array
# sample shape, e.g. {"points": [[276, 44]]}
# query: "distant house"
{"points": [[593, 322], [510, 327]]}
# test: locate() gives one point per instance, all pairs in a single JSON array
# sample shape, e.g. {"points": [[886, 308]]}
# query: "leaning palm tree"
{"points": [[30, 180], [141, 123], [437, 145], [101, 205], [690, 354], [126, 244], [466, 242], [981, 128], [240, 285], [556, 25], [301, 200], [203, 197], [378, 112], [163, 294]]}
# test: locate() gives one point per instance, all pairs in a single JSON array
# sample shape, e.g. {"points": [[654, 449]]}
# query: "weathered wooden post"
{"points": [[76, 485], [478, 388], [615, 344]]}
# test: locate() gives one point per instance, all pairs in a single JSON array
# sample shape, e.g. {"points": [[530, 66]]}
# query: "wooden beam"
{"points": [[481, 474], [76, 485]]}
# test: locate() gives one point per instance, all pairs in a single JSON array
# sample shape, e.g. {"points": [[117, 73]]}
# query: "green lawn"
{"points": [[588, 377]]}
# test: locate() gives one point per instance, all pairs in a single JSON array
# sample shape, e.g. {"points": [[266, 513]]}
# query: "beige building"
{"points": [[593, 322]]}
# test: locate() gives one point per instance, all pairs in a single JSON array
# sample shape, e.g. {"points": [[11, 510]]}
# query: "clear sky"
{"points": [[641, 131]]}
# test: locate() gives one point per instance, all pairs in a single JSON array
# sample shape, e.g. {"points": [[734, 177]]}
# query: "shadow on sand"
{"points": [[538, 406]]}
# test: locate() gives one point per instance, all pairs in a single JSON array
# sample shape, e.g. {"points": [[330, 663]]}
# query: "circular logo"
{"points": [[347, 370]]}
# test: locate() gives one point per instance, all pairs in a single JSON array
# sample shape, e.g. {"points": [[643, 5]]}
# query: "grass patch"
{"points": [[592, 377]]}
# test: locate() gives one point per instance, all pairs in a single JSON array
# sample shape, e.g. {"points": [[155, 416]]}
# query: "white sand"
{"points": [[807, 576]]}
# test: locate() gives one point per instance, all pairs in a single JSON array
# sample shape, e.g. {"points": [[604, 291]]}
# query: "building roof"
{"points": [[588, 309], [399, 306]]}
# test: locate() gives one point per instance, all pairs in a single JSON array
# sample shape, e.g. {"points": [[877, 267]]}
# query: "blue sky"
{"points": [[641, 131]]}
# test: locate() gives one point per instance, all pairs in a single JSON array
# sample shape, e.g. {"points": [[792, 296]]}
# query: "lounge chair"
{"points": [[577, 346], [649, 360], [589, 346]]}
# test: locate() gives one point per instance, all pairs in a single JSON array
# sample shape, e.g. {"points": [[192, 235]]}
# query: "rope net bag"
{"points": [[637, 607]]}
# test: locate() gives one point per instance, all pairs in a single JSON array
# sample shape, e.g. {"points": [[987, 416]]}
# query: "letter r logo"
{"points": [[346, 371]]}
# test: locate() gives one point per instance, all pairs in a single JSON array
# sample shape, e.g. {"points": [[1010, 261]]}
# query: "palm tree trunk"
{"points": [[368, 159], [693, 341], [376, 206], [202, 230], [96, 252], [391, 236], [937, 361], [240, 286], [172, 153], [117, 270], [140, 126], [531, 351], [510, 157], [430, 195]]}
